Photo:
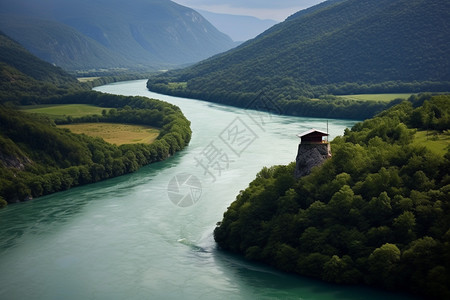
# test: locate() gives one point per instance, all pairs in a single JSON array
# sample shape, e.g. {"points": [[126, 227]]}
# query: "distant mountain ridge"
{"points": [[239, 28], [336, 47], [136, 33]]}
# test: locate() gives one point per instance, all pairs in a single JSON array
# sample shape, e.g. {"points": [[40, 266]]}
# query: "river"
{"points": [[149, 236]]}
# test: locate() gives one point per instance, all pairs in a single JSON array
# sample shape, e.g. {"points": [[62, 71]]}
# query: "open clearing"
{"points": [[87, 79], [376, 97], [114, 133], [437, 143], [63, 110]]}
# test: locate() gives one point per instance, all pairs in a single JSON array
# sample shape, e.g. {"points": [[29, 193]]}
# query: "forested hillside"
{"points": [[376, 213], [23, 75], [96, 34], [37, 158], [61, 45], [337, 47]]}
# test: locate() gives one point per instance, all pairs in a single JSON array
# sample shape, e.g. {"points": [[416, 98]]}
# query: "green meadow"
{"points": [[434, 141], [115, 133], [376, 97], [87, 79], [64, 110]]}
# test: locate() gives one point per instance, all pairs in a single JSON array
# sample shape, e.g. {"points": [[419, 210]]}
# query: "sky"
{"points": [[264, 9]]}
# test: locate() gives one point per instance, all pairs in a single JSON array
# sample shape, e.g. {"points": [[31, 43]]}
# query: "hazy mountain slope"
{"points": [[239, 28], [335, 47], [22, 75], [145, 32], [60, 44]]}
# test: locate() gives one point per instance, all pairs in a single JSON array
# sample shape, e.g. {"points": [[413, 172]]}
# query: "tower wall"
{"points": [[309, 156]]}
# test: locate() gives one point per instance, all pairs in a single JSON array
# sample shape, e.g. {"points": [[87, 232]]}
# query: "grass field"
{"points": [[376, 97], [64, 110], [438, 143], [87, 79], [175, 85], [118, 134]]}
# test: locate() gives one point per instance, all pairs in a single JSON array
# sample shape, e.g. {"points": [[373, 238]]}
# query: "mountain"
{"points": [[22, 75], [239, 28], [60, 44], [336, 47], [137, 33]]}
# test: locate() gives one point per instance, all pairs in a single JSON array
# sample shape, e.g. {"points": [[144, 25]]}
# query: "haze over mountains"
{"points": [[90, 34], [339, 46], [238, 27]]}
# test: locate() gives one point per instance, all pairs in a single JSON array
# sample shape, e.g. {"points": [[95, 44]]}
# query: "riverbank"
{"points": [[125, 237], [41, 159]]}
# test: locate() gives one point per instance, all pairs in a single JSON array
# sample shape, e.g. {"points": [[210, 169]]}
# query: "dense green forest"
{"points": [[37, 158], [376, 213], [337, 47]]}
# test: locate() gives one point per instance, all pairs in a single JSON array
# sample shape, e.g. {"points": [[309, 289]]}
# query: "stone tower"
{"points": [[313, 150]]}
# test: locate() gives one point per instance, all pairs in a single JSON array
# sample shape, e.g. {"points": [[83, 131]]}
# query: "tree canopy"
{"points": [[377, 212]]}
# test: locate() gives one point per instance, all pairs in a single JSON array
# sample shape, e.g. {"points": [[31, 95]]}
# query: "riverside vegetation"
{"points": [[377, 212], [37, 158]]}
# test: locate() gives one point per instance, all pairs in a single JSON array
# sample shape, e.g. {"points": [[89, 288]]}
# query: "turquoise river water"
{"points": [[148, 235]]}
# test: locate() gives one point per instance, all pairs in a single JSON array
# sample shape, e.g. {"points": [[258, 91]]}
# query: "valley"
{"points": [[146, 154], [157, 246]]}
